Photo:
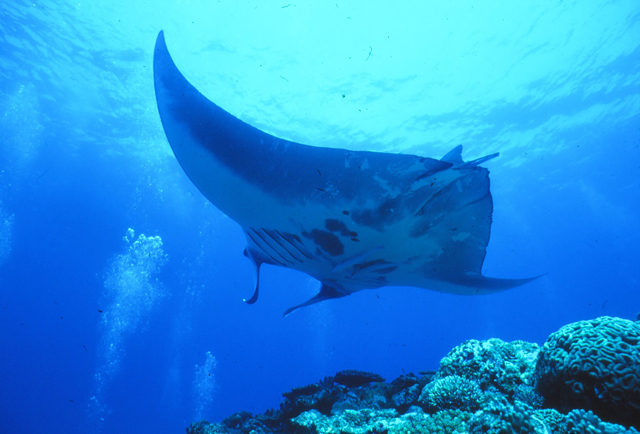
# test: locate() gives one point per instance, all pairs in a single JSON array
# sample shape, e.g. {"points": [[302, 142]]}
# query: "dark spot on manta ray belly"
{"points": [[386, 213], [379, 266], [367, 264], [334, 225], [326, 241]]}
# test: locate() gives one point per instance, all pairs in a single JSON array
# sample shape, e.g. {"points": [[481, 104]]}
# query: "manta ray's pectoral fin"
{"points": [[485, 285], [477, 284], [327, 292]]}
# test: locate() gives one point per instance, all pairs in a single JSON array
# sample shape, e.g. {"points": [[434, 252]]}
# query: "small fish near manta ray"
{"points": [[351, 219]]}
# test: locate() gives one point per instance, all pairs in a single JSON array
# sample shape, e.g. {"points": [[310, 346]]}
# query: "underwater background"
{"points": [[121, 287]]}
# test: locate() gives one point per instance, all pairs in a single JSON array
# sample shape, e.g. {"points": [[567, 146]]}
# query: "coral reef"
{"points": [[319, 396], [388, 421], [406, 390], [493, 364], [593, 365], [585, 422], [481, 387], [353, 378], [452, 392], [502, 417]]}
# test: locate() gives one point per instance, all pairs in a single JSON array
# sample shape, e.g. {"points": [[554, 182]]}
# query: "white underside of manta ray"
{"points": [[352, 220]]}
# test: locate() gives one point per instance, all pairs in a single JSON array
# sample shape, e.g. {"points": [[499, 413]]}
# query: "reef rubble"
{"points": [[585, 379]]}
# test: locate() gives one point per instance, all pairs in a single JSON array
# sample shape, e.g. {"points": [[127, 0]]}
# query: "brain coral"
{"points": [[494, 364], [594, 365]]}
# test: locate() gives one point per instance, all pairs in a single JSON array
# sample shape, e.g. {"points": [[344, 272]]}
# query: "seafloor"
{"points": [[585, 379]]}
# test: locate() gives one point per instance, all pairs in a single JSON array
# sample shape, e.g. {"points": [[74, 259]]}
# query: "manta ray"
{"points": [[353, 220]]}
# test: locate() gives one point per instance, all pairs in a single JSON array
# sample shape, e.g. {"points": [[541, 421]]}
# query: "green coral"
{"points": [[493, 364], [454, 392], [594, 365]]}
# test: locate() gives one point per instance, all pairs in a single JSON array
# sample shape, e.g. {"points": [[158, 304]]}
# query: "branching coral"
{"points": [[452, 392], [493, 364], [500, 417]]}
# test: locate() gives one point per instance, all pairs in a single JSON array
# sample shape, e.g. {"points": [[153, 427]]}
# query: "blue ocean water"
{"points": [[121, 287]]}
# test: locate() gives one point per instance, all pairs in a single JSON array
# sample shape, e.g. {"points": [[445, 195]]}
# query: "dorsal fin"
{"points": [[454, 156]]}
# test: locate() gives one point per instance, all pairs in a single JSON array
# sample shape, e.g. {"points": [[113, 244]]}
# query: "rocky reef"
{"points": [[584, 380]]}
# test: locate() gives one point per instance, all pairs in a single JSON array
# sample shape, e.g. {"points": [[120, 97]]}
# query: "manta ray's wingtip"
{"points": [[162, 61], [478, 284], [531, 279], [160, 42], [498, 284]]}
